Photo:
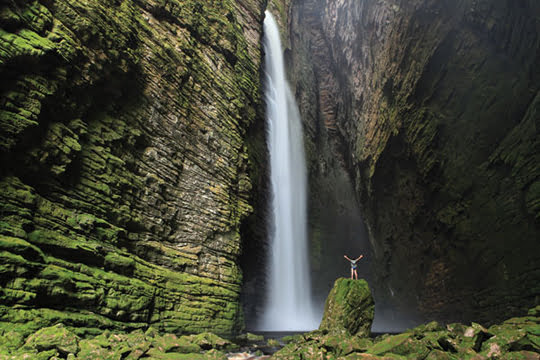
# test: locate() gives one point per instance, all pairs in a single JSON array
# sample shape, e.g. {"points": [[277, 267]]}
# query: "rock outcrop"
{"points": [[128, 158], [349, 308], [431, 109]]}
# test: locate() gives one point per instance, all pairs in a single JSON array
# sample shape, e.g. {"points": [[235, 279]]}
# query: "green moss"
{"points": [[21, 247], [56, 337], [388, 344], [349, 307], [171, 343], [342, 345], [120, 264], [79, 121], [25, 42]]}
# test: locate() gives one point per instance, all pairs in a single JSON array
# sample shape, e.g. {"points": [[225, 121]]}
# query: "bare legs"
{"points": [[354, 274]]}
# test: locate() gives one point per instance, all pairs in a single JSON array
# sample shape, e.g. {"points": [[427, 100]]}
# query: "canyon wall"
{"points": [[430, 109], [133, 188], [129, 150]]}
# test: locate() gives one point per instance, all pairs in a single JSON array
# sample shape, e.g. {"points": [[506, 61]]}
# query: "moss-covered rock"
{"points": [[349, 308], [61, 342], [123, 136], [209, 340], [402, 344], [55, 337], [342, 344], [514, 340], [517, 334]]}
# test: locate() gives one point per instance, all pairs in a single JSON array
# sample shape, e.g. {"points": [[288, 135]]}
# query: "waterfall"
{"points": [[289, 305]]}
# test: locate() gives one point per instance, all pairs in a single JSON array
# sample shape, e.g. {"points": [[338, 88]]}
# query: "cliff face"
{"points": [[126, 161], [432, 108]]}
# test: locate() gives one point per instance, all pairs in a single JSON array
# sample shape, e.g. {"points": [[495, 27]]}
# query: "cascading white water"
{"points": [[289, 305]]}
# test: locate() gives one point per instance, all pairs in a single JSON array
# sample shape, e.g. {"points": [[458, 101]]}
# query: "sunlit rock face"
{"points": [[128, 161], [432, 109]]}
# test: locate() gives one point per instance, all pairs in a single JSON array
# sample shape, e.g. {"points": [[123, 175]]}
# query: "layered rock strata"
{"points": [[432, 108], [127, 163]]}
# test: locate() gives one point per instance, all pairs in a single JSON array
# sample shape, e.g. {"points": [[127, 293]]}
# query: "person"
{"points": [[353, 265]]}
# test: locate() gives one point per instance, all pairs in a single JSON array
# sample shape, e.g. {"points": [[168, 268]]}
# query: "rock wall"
{"points": [[127, 161], [432, 107]]}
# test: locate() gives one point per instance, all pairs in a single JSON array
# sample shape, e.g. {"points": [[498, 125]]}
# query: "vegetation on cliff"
{"points": [[123, 128], [430, 109]]}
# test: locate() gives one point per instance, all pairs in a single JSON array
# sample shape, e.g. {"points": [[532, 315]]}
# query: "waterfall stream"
{"points": [[289, 304]]}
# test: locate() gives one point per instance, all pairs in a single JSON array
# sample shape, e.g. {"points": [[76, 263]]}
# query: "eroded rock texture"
{"points": [[433, 109], [126, 157]]}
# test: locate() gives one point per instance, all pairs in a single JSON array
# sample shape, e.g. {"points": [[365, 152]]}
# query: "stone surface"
{"points": [[128, 159], [430, 109], [61, 342], [349, 308], [56, 337]]}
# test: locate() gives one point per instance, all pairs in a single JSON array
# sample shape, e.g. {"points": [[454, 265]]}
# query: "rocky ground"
{"points": [[337, 339], [59, 342], [516, 338]]}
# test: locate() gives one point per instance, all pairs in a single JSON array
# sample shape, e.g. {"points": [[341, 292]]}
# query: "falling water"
{"points": [[289, 305]]}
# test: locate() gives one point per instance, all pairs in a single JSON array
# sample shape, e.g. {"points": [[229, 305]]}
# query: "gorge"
{"points": [[135, 183]]}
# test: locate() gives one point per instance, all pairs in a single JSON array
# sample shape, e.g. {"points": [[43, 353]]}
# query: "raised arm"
{"points": [[361, 256], [346, 257]]}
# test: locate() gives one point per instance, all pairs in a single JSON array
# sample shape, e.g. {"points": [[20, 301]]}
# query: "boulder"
{"points": [[349, 308], [54, 338]]}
